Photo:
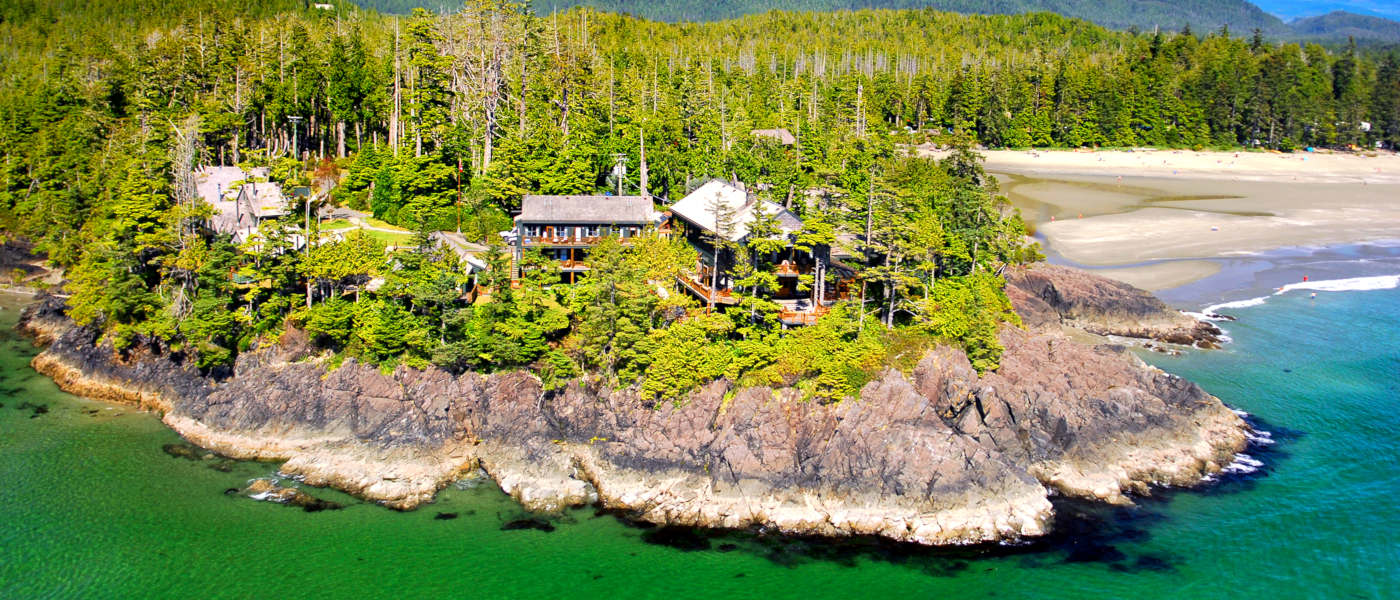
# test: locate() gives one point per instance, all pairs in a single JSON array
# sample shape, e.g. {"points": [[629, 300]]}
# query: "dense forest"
{"points": [[1114, 14], [1338, 26], [105, 122]]}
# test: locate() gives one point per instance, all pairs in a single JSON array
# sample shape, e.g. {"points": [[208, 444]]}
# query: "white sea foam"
{"points": [[1263, 438], [1240, 413], [261, 496], [1352, 284], [1212, 312], [1243, 464]]}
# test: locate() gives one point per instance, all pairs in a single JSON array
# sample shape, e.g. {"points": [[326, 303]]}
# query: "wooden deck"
{"points": [[791, 270], [703, 291], [803, 317]]}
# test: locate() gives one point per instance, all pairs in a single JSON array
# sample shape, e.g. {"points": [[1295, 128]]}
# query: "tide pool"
{"points": [[92, 506]]}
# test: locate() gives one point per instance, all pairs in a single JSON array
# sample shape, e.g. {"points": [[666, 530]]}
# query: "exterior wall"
{"points": [[568, 243]]}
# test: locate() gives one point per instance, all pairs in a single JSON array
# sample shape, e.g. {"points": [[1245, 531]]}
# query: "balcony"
{"points": [[573, 265], [702, 289], [788, 269], [801, 313], [560, 240], [545, 241]]}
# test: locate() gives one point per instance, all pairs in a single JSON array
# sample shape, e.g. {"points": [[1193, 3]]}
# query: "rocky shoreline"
{"points": [[936, 456]]}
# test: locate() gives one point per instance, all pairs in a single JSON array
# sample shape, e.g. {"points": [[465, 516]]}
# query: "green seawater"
{"points": [[92, 507]]}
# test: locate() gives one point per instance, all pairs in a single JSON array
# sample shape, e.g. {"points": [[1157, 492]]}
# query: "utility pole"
{"points": [[620, 169], [642, 137], [306, 239], [294, 120]]}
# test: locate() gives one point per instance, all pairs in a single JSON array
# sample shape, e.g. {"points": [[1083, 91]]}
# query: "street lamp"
{"points": [[294, 120]]}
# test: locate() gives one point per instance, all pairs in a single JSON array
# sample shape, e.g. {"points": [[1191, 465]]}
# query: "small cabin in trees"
{"points": [[782, 136], [718, 218], [258, 202], [565, 227]]}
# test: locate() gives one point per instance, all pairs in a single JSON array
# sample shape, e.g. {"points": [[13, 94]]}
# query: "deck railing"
{"points": [[721, 296], [791, 270], [803, 317], [568, 240]]}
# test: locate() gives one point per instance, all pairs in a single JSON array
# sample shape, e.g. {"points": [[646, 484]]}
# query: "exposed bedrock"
{"points": [[1046, 294], [936, 456]]}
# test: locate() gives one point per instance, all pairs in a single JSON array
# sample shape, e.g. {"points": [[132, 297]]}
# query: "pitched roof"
{"points": [[699, 209], [587, 209], [783, 136], [263, 199]]}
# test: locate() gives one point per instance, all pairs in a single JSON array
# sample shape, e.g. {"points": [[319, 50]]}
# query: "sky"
{"points": [[1292, 9]]}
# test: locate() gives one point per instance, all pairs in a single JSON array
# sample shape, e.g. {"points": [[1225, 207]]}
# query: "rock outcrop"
{"points": [[1046, 294], [936, 456]]}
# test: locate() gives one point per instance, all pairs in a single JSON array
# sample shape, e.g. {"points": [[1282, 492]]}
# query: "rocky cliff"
{"points": [[936, 456], [1046, 294]]}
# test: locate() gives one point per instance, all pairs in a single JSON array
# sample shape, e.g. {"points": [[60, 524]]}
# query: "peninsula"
{"points": [[701, 274]]}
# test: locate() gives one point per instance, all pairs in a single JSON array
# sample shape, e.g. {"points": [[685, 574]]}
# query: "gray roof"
{"points": [[587, 209], [263, 199], [782, 136]]}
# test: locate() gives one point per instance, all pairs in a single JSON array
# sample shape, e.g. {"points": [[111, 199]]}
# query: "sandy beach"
{"points": [[1303, 167], [1163, 219]]}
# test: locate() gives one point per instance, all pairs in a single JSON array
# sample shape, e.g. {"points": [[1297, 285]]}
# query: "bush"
{"points": [[330, 323], [967, 311]]}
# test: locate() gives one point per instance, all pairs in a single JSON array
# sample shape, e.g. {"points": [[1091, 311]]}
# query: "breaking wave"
{"points": [[1243, 464], [1352, 284]]}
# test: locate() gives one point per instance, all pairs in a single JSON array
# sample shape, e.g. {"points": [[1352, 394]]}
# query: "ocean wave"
{"points": [[1243, 464], [1262, 438], [1214, 308], [1352, 284]]}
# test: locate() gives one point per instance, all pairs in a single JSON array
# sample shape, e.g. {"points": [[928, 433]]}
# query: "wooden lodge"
{"points": [[719, 209], [566, 227]]}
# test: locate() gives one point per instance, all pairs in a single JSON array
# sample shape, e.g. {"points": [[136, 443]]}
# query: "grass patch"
{"points": [[336, 224], [373, 222], [389, 239]]}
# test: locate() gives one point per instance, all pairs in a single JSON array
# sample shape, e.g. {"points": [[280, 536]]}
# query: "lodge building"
{"points": [[564, 228]]}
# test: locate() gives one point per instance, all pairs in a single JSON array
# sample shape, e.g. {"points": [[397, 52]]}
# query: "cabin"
{"points": [[723, 210], [782, 136], [566, 227], [255, 203]]}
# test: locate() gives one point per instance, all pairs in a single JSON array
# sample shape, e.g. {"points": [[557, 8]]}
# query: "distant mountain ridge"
{"points": [[1290, 10], [1340, 25]]}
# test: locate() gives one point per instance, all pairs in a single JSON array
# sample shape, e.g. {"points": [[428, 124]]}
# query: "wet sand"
{"points": [[1164, 232], [1302, 167]]}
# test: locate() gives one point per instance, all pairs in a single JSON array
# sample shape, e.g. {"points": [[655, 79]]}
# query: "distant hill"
{"points": [[1339, 25], [1288, 10]]}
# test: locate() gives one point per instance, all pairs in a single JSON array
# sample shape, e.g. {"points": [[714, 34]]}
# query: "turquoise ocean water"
{"points": [[91, 506]]}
